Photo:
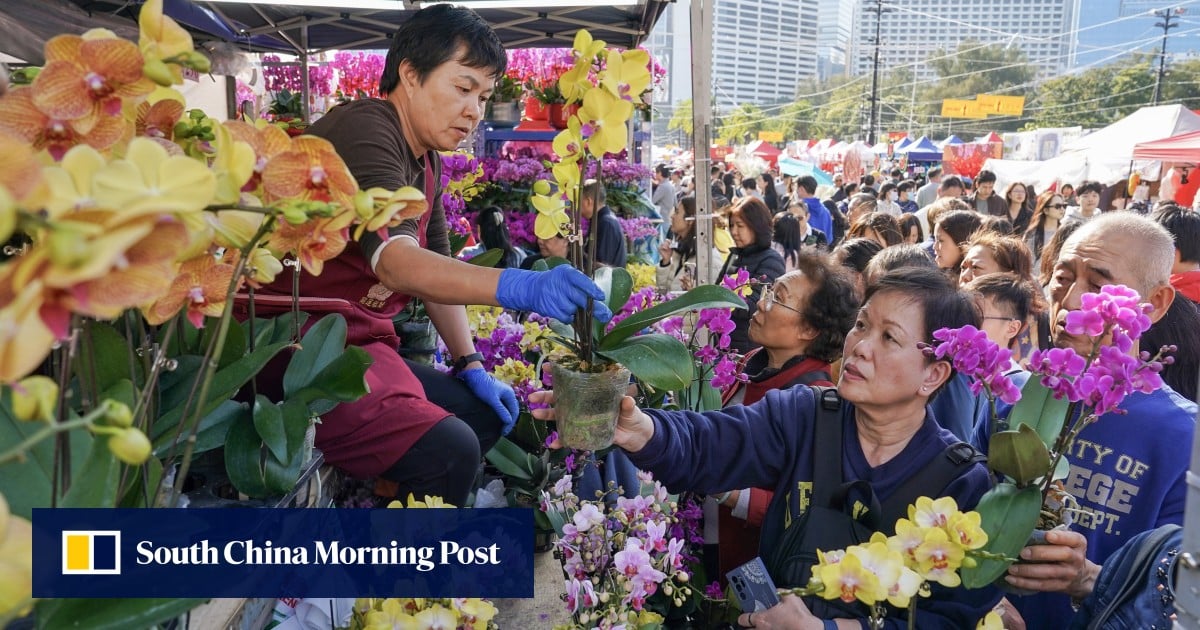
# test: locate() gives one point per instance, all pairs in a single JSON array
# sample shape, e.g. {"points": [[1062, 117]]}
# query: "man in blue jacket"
{"points": [[1128, 469]]}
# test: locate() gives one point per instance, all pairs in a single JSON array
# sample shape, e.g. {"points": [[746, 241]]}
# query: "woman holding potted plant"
{"points": [[889, 437]]}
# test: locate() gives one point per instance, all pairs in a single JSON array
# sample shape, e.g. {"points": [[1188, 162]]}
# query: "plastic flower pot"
{"points": [[505, 114], [536, 110], [586, 405]]}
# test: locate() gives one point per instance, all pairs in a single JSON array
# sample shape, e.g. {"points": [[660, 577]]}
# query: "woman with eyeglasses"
{"points": [[1050, 210], [801, 325], [884, 436]]}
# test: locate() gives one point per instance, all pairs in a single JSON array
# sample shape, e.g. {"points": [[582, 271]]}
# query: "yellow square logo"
{"points": [[91, 552]]}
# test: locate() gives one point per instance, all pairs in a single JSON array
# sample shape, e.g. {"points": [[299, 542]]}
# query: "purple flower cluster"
{"points": [[973, 354], [517, 172], [641, 300], [1103, 384], [1114, 309], [638, 227], [619, 173], [279, 76], [358, 73]]}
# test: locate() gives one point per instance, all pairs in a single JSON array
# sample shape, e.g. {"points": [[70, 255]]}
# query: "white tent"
{"points": [[1148, 123]]}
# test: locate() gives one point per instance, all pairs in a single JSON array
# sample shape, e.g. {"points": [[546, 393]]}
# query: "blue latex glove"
{"points": [[497, 394], [555, 293]]}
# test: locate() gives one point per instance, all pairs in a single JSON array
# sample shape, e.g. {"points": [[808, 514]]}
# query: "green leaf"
{"points": [[243, 457], [26, 484], [106, 356], [705, 296], [110, 614], [209, 435], [226, 382], [235, 344], [1009, 515], [342, 380], [268, 422], [144, 485], [509, 459], [296, 420], [1039, 409], [95, 484], [1019, 454], [660, 361], [323, 343], [617, 285], [489, 258]]}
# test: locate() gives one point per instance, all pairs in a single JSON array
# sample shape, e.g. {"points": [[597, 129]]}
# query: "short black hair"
{"points": [[856, 253], [1010, 291], [433, 35], [1184, 226], [1089, 186], [832, 305], [663, 170], [898, 257], [949, 182], [907, 184], [808, 183], [959, 225], [749, 183], [984, 177]]}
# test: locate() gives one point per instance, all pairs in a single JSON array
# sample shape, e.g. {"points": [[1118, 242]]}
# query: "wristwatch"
{"points": [[466, 359]]}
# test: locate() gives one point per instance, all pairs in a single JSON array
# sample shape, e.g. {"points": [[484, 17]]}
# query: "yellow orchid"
{"points": [[391, 615], [476, 613], [552, 219], [161, 39], [930, 513], [849, 581], [148, 180], [16, 563], [263, 267], [567, 176], [20, 117], [309, 170], [991, 621], [965, 528], [70, 181], [233, 229], [429, 502], [938, 558], [87, 79], [515, 372], [437, 617], [8, 215], [626, 75], [605, 117], [379, 208], [200, 289], [233, 164], [584, 47], [266, 139], [568, 144], [313, 242], [900, 582], [574, 83], [24, 339], [35, 398], [156, 116], [908, 537]]}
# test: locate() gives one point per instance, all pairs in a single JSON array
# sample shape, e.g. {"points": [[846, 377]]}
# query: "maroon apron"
{"points": [[368, 436]]}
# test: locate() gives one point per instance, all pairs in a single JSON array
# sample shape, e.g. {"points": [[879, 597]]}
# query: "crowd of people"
{"points": [[846, 288]]}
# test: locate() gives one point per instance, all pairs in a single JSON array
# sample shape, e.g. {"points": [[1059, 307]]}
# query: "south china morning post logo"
{"points": [[90, 552]]}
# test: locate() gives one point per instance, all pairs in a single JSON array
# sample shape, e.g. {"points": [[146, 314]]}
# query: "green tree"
{"points": [[681, 118], [842, 109], [792, 120], [972, 69], [742, 124]]}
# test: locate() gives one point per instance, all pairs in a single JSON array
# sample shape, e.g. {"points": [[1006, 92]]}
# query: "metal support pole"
{"points": [[702, 29], [874, 115], [305, 88], [1167, 15]]}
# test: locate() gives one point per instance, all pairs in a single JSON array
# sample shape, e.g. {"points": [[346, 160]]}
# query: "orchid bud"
{"points": [[130, 445], [35, 398], [969, 562], [117, 414], [541, 187], [196, 61], [157, 71], [265, 266], [682, 576]]}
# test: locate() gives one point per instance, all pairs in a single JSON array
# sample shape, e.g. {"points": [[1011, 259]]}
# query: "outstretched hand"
{"points": [[634, 428], [1059, 566], [555, 293], [496, 393]]}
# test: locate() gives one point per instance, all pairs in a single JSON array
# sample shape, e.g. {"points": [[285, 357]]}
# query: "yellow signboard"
{"points": [[770, 136], [994, 105], [955, 108]]}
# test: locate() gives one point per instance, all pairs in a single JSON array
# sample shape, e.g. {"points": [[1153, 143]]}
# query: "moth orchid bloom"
{"points": [[21, 172], [314, 241], [606, 115], [938, 558], [626, 74], [552, 219], [25, 340], [568, 144], [266, 139], [20, 117], [379, 208], [233, 165], [149, 180], [849, 581], [157, 115], [87, 78], [199, 289], [309, 170], [162, 42]]}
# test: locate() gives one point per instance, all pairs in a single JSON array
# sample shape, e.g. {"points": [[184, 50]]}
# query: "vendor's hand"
{"points": [[496, 393], [1059, 566], [634, 428], [788, 614], [555, 293]]}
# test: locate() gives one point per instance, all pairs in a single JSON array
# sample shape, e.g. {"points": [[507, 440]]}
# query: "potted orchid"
{"points": [[591, 379], [1065, 393]]}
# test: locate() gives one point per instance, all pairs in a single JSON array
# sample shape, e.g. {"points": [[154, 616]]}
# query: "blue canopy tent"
{"points": [[904, 142], [951, 140], [923, 150], [797, 168]]}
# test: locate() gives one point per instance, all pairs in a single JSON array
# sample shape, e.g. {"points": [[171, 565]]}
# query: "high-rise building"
{"points": [[762, 49], [835, 25], [913, 30]]}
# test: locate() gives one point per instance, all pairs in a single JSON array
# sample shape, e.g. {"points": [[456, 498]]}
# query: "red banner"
{"points": [[968, 159]]}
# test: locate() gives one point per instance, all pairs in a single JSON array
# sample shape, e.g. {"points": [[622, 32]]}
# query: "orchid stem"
{"points": [[17, 453]]}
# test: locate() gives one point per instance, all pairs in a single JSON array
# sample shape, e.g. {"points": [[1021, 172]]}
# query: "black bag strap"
{"points": [[827, 427], [1134, 573], [929, 481]]}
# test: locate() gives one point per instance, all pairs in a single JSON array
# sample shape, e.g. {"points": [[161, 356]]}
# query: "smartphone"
{"points": [[753, 586]]}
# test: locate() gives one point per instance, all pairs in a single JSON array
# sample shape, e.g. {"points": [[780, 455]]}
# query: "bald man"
{"points": [[1128, 469]]}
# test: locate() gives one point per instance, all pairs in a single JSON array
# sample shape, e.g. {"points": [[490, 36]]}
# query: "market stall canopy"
{"points": [[25, 25], [951, 140], [798, 168], [905, 141], [764, 150], [990, 138], [1182, 148], [1148, 123], [923, 150]]}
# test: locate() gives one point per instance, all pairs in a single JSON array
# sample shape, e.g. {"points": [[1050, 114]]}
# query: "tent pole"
{"points": [[305, 88], [701, 27]]}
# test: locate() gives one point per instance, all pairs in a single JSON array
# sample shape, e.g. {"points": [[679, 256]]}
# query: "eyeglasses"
{"points": [[1060, 206], [999, 317], [769, 299]]}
